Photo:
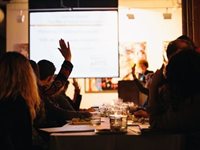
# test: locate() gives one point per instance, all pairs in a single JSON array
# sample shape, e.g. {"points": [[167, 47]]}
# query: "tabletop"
{"points": [[133, 139]]}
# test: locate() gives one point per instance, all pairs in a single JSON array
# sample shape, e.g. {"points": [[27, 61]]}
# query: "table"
{"points": [[129, 141]]}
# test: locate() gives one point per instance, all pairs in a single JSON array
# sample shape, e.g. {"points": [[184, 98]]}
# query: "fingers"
{"points": [[74, 80], [162, 67], [62, 44], [68, 46], [65, 50]]}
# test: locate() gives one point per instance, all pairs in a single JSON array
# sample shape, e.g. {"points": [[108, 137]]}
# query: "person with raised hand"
{"points": [[52, 113]]}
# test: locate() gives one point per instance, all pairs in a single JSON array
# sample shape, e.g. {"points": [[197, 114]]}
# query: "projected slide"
{"points": [[93, 37]]}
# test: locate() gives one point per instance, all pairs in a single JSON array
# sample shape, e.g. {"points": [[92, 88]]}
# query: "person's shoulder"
{"points": [[20, 100], [14, 99], [149, 71]]}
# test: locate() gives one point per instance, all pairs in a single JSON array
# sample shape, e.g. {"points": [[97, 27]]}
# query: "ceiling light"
{"points": [[167, 15], [130, 16]]}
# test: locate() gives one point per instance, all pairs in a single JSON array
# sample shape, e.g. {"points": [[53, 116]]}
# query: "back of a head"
{"points": [[183, 72], [35, 68], [187, 38], [17, 76], [46, 69], [176, 46]]}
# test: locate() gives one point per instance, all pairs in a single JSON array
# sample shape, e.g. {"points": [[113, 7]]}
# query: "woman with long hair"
{"points": [[19, 101]]}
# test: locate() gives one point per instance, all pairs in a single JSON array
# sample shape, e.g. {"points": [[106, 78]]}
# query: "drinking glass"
{"points": [[96, 118]]}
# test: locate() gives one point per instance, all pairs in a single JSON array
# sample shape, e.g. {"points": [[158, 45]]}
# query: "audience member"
{"points": [[53, 113], [144, 73], [143, 88], [142, 77], [19, 101], [176, 46], [174, 105], [172, 49], [35, 68], [76, 101], [187, 38], [141, 70]]}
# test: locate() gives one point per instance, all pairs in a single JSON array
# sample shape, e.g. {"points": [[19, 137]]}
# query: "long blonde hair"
{"points": [[17, 78]]}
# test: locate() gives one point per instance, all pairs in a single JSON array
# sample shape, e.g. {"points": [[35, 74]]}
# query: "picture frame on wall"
{"points": [[130, 52], [101, 85]]}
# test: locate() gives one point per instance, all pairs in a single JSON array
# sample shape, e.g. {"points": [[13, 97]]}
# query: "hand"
{"points": [[85, 114], [141, 113], [133, 71], [76, 86], [65, 50]]}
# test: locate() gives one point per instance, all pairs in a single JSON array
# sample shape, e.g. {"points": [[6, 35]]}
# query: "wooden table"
{"points": [[132, 140]]}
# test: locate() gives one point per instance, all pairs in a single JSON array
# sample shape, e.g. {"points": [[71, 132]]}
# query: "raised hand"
{"points": [[133, 71], [65, 50], [76, 86]]}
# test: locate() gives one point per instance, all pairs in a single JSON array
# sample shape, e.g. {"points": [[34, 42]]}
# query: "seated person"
{"points": [[174, 105], [75, 102], [141, 111], [141, 70], [52, 113], [172, 49], [190, 41], [144, 83], [19, 101]]}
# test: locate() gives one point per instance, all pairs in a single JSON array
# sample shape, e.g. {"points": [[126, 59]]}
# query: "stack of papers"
{"points": [[69, 128]]}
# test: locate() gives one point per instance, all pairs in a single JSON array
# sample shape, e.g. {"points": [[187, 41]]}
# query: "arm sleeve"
{"points": [[141, 87], [60, 79]]}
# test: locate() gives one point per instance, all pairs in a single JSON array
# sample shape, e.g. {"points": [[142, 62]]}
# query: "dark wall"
{"points": [[3, 32], [191, 20], [39, 4]]}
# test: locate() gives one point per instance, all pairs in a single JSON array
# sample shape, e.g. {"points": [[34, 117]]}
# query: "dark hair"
{"points": [[183, 73], [46, 69], [35, 68], [187, 38], [17, 78], [177, 45]]}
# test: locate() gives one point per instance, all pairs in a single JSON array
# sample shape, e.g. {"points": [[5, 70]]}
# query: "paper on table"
{"points": [[69, 128], [135, 130], [144, 126]]}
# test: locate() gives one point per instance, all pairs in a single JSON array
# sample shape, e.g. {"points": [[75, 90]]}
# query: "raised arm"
{"points": [[76, 86], [65, 50], [77, 96], [65, 70], [138, 83]]}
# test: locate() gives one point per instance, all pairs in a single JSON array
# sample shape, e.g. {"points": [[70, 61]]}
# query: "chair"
{"points": [[128, 91]]}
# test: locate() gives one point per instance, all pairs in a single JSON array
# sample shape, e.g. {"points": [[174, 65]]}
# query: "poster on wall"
{"points": [[130, 53], [96, 85]]}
